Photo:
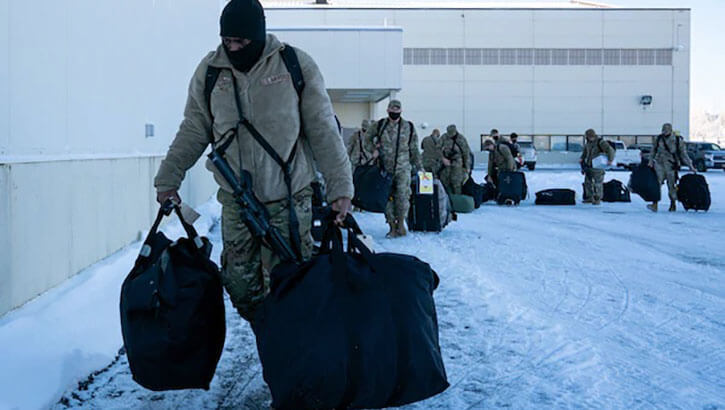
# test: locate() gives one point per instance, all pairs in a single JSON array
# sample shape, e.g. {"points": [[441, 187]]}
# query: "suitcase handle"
{"points": [[165, 210]]}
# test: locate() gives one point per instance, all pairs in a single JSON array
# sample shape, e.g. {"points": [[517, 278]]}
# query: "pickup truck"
{"points": [[706, 155], [625, 158]]}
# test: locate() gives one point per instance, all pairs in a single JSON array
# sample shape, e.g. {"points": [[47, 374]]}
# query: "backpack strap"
{"points": [[289, 56]]}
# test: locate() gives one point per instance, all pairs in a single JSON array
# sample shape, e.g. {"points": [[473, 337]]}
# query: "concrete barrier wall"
{"points": [[59, 217]]}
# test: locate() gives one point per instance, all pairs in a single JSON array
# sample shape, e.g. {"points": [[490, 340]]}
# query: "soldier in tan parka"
{"points": [[355, 147], [433, 153], [499, 159], [252, 67], [593, 177], [388, 137], [457, 154], [668, 154]]}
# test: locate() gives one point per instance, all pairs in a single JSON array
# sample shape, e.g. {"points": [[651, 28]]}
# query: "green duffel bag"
{"points": [[462, 204]]}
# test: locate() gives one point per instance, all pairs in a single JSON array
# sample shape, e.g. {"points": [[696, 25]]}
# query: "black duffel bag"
{"points": [[615, 191], [372, 187], [172, 311], [474, 190], [694, 193], [556, 196], [350, 329], [643, 182]]}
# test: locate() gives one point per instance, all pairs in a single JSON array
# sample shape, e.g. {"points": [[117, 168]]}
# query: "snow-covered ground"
{"points": [[606, 307]]}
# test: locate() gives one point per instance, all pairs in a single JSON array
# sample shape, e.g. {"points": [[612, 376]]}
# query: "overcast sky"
{"points": [[708, 48]]}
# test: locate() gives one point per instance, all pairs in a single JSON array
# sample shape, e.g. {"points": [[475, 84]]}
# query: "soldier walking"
{"points": [[253, 82], [396, 142], [593, 177], [457, 154], [433, 160], [355, 147], [668, 155]]}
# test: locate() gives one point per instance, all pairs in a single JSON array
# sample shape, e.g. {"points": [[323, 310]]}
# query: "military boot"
{"points": [[673, 206], [596, 201], [401, 228], [652, 207], [393, 232]]}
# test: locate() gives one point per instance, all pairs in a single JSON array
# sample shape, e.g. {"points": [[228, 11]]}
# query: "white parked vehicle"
{"points": [[528, 153], [625, 158]]}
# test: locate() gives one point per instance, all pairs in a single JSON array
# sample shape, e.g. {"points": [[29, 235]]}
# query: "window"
{"points": [[577, 56], [575, 143], [612, 56], [525, 56], [421, 56], [664, 56], [542, 56], [438, 56], [407, 56], [560, 57], [508, 56], [541, 143], [455, 56], [629, 57], [558, 143], [473, 56], [628, 139], [594, 56], [489, 56], [645, 139], [646, 57]]}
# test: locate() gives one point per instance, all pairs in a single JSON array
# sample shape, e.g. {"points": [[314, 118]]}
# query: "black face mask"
{"points": [[245, 58], [394, 115]]}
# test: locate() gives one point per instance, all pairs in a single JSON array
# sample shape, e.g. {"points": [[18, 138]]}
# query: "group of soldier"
{"points": [[394, 141]]}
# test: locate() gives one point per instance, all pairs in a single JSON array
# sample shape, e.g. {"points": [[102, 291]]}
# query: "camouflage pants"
{"points": [[400, 203], [246, 264], [453, 178], [668, 173], [594, 184]]}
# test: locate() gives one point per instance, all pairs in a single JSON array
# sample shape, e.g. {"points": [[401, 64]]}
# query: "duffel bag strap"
{"points": [[165, 210]]}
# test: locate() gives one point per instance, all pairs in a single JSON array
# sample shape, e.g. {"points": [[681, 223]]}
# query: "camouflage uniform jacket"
{"points": [[500, 159], [432, 154], [456, 150], [408, 153], [594, 149]]}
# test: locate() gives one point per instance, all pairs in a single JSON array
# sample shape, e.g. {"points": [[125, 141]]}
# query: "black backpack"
{"points": [[511, 186], [350, 329], [172, 311], [694, 192], [616, 191], [474, 190], [556, 197]]}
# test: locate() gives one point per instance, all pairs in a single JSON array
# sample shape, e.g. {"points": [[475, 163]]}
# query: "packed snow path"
{"points": [[607, 307]]}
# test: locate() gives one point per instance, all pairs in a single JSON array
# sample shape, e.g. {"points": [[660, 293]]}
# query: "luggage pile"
{"points": [[350, 329]]}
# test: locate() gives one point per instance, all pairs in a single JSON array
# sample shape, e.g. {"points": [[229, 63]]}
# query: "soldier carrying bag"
{"points": [[172, 311]]}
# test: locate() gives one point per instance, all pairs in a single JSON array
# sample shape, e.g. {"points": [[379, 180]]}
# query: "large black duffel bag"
{"points": [[693, 192], [557, 196], [643, 182], [372, 188], [350, 329], [615, 191], [511, 187], [172, 311], [474, 190]]}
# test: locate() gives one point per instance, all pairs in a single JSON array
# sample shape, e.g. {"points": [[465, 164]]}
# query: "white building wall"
{"points": [[76, 89], [554, 99]]}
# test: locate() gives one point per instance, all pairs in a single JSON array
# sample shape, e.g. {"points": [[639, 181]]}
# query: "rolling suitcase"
{"points": [[511, 187], [427, 212], [694, 192]]}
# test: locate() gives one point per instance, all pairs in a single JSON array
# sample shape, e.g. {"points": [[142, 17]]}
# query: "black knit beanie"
{"points": [[243, 19]]}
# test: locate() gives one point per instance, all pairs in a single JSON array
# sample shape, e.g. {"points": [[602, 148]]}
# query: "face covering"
{"points": [[394, 115], [245, 58]]}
